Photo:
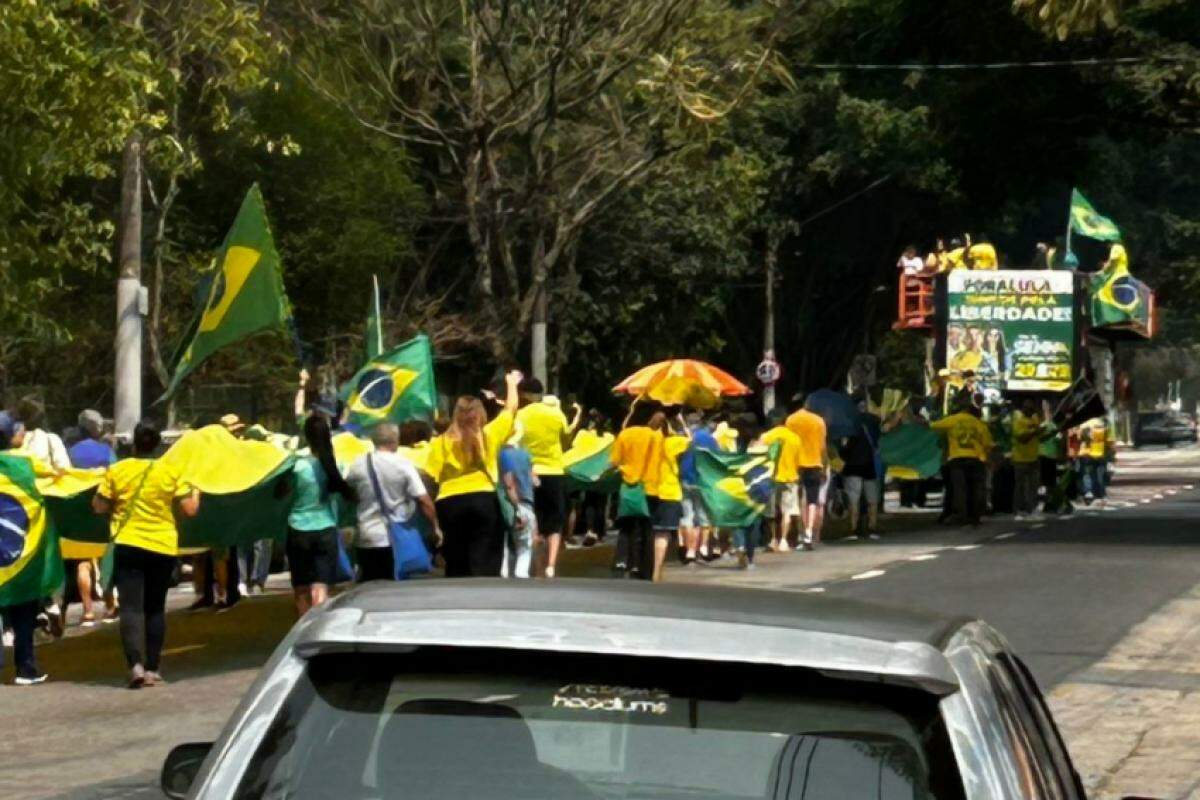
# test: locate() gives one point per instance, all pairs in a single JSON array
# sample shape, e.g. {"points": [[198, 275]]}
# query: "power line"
{"points": [[996, 65]]}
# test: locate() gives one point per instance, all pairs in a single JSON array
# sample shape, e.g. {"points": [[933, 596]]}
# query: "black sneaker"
{"points": [[200, 604], [590, 539]]}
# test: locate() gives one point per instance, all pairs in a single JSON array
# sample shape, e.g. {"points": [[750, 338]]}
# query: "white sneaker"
{"points": [[783, 546], [243, 590], [8, 638], [19, 681], [1019, 517]]}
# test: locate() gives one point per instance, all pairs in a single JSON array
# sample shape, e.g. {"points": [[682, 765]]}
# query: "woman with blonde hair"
{"points": [[465, 462]]}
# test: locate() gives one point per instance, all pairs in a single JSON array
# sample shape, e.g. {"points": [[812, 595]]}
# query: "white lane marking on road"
{"points": [[1190, 486], [1004, 536], [965, 547], [1158, 497], [815, 589], [923, 557], [1172, 492], [1146, 501], [871, 573], [1038, 525]]}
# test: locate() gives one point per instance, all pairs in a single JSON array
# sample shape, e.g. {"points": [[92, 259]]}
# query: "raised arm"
{"points": [[298, 403], [512, 381]]}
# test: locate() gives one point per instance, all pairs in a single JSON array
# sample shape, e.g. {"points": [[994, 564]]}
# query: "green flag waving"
{"points": [[394, 387], [1086, 222], [246, 294]]}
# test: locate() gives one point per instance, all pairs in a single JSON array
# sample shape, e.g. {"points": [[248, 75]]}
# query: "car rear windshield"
{"points": [[479, 724]]}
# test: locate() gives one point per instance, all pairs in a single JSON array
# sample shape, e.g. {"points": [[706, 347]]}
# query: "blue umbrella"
{"points": [[839, 411]]}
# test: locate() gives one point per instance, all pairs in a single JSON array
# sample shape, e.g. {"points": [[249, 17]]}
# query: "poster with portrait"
{"points": [[1010, 330]]}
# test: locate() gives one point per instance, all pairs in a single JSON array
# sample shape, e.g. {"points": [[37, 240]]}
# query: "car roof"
{"points": [[640, 618]]}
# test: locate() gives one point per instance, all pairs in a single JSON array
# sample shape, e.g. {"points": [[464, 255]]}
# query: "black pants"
{"points": [[375, 564], [593, 511], [968, 479], [23, 619], [142, 579], [635, 548], [473, 532]]}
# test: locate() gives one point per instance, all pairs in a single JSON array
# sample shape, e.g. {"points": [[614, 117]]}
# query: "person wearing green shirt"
{"points": [[312, 544]]}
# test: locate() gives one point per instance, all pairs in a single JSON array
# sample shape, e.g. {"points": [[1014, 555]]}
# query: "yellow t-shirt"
{"points": [[966, 434], [1026, 438], [418, 454], [544, 428], [447, 463], [1096, 439], [636, 454], [983, 256], [810, 430], [669, 486], [953, 259], [787, 470], [149, 523]]}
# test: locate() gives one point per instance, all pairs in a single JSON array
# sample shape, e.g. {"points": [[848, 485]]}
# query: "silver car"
{"points": [[482, 689]]}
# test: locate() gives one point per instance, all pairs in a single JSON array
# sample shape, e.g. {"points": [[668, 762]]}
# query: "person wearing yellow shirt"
{"points": [[546, 433], [812, 462], [667, 511], [636, 453], [982, 255], [1026, 446], [465, 462], [787, 478], [142, 495], [968, 446], [1093, 460]]}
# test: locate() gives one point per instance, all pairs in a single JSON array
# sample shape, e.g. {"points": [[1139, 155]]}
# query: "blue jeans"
{"points": [[254, 565], [748, 537], [1091, 472], [23, 619]]}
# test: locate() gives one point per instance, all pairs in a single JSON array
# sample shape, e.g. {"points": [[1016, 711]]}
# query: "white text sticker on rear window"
{"points": [[620, 699]]}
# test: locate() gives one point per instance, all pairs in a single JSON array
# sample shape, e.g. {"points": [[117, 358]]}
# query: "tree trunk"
{"points": [[127, 403], [769, 317], [537, 342]]}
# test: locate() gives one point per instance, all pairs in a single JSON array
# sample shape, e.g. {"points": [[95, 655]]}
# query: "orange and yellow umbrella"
{"points": [[683, 382]]}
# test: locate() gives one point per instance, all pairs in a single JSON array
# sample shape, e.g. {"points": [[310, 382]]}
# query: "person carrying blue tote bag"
{"points": [[410, 555]]}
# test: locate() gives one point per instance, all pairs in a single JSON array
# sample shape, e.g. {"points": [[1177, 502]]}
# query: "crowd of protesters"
{"points": [[485, 489]]}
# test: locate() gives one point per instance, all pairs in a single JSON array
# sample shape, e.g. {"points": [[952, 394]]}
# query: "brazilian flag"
{"points": [[1120, 300], [30, 565], [245, 293], [737, 487], [1086, 222], [394, 387]]}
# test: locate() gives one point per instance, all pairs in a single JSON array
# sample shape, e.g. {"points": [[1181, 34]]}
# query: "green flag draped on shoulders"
{"points": [[588, 465], [394, 387], [30, 565], [245, 295]]}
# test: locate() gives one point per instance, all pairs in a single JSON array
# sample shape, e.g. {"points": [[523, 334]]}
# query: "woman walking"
{"points": [[465, 462], [142, 494], [312, 543], [636, 454]]}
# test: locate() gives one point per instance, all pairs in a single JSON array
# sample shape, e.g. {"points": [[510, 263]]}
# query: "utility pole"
{"points": [[769, 322], [127, 378]]}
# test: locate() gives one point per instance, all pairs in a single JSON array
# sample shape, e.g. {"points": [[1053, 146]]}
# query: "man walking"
{"points": [[812, 461], [79, 558], [969, 445], [786, 497], [389, 490], [1026, 440], [546, 432]]}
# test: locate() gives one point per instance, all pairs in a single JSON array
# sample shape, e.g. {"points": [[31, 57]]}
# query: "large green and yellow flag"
{"points": [[1085, 221], [588, 466], [1120, 301], [911, 452], [245, 488], [245, 294], [737, 487], [30, 565], [394, 387]]}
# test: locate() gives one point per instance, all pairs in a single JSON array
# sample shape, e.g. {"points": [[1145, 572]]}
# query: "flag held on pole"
{"points": [[245, 295], [394, 387], [1085, 221]]}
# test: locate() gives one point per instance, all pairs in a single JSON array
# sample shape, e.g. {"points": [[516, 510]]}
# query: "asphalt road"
{"points": [[1068, 594]]}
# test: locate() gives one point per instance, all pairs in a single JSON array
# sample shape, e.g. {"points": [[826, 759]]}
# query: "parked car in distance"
{"points": [[1164, 427], [574, 690]]}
